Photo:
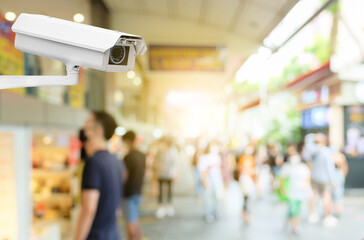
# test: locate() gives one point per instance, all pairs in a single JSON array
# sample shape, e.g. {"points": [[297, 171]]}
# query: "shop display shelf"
{"points": [[52, 197], [44, 173]]}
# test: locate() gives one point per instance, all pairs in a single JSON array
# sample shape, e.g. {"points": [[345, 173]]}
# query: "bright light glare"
{"points": [[247, 69], [253, 66], [359, 92], [118, 97], [48, 139], [137, 81], [228, 89], [181, 98], [264, 52], [131, 74], [190, 150], [120, 131], [302, 11], [192, 132], [157, 133], [10, 16], [78, 17]]}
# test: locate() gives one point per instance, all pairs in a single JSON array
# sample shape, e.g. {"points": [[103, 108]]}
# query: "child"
{"points": [[298, 175]]}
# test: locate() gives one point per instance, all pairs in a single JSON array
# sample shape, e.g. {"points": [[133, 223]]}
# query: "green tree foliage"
{"points": [[289, 73], [333, 8], [320, 49], [284, 129]]}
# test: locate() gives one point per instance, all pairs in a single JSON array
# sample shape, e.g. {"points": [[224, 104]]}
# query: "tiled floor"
{"points": [[268, 221], [268, 217]]}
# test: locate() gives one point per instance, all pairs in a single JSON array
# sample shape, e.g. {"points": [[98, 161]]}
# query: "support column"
{"points": [[100, 84]]}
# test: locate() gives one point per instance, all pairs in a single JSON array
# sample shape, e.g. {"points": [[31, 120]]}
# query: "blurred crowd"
{"points": [[308, 177]]}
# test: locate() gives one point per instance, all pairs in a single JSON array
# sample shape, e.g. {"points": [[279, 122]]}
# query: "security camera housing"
{"points": [[74, 44]]}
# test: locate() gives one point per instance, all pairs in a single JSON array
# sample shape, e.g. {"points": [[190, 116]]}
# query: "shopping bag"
{"points": [[282, 196]]}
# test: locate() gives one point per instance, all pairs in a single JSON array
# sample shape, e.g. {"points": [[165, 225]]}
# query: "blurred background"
{"points": [[239, 72]]}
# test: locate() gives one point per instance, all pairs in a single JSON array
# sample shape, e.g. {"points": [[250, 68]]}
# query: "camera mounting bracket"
{"points": [[16, 81]]}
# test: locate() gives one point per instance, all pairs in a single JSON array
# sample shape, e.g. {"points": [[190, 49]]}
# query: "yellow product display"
{"points": [[11, 61]]}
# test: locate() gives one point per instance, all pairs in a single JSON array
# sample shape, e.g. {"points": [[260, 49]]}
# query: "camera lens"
{"points": [[117, 54]]}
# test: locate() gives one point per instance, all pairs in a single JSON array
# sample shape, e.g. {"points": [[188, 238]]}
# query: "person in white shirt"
{"points": [[210, 168], [298, 175]]}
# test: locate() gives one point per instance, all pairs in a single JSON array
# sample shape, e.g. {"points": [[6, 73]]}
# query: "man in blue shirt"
{"points": [[102, 182]]}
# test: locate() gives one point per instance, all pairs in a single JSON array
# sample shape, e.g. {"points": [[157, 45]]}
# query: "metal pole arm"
{"points": [[15, 81]]}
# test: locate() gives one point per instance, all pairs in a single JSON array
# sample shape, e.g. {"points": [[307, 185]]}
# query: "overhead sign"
{"points": [[320, 95], [186, 58], [315, 118]]}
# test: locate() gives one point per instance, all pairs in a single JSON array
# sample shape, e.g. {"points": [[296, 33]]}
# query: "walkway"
{"points": [[268, 221]]}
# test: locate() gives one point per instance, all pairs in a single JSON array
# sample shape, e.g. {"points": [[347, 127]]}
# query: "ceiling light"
{"points": [[48, 139], [157, 133], [10, 16], [120, 131], [137, 81], [118, 97], [78, 17], [131, 74]]}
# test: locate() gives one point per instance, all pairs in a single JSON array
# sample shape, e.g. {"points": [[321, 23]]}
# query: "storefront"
{"points": [[45, 163], [316, 92], [41, 159], [315, 120], [354, 144], [55, 180], [330, 106]]}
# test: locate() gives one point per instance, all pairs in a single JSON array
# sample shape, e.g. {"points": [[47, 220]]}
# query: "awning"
{"points": [[301, 83], [250, 105], [310, 78]]}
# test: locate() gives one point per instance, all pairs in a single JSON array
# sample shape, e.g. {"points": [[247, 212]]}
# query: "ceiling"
{"points": [[238, 25], [252, 19], [64, 9]]}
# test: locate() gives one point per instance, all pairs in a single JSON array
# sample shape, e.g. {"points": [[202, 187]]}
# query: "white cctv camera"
{"points": [[74, 44]]}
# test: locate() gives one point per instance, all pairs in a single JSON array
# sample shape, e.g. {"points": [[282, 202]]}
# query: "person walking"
{"points": [[247, 179], [210, 168], [275, 160], [341, 172], [323, 179], [102, 182], [298, 175], [166, 162], [197, 174], [135, 162]]}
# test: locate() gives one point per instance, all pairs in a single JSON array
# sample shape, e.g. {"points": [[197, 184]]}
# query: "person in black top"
{"points": [[102, 182], [275, 159], [135, 169]]}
